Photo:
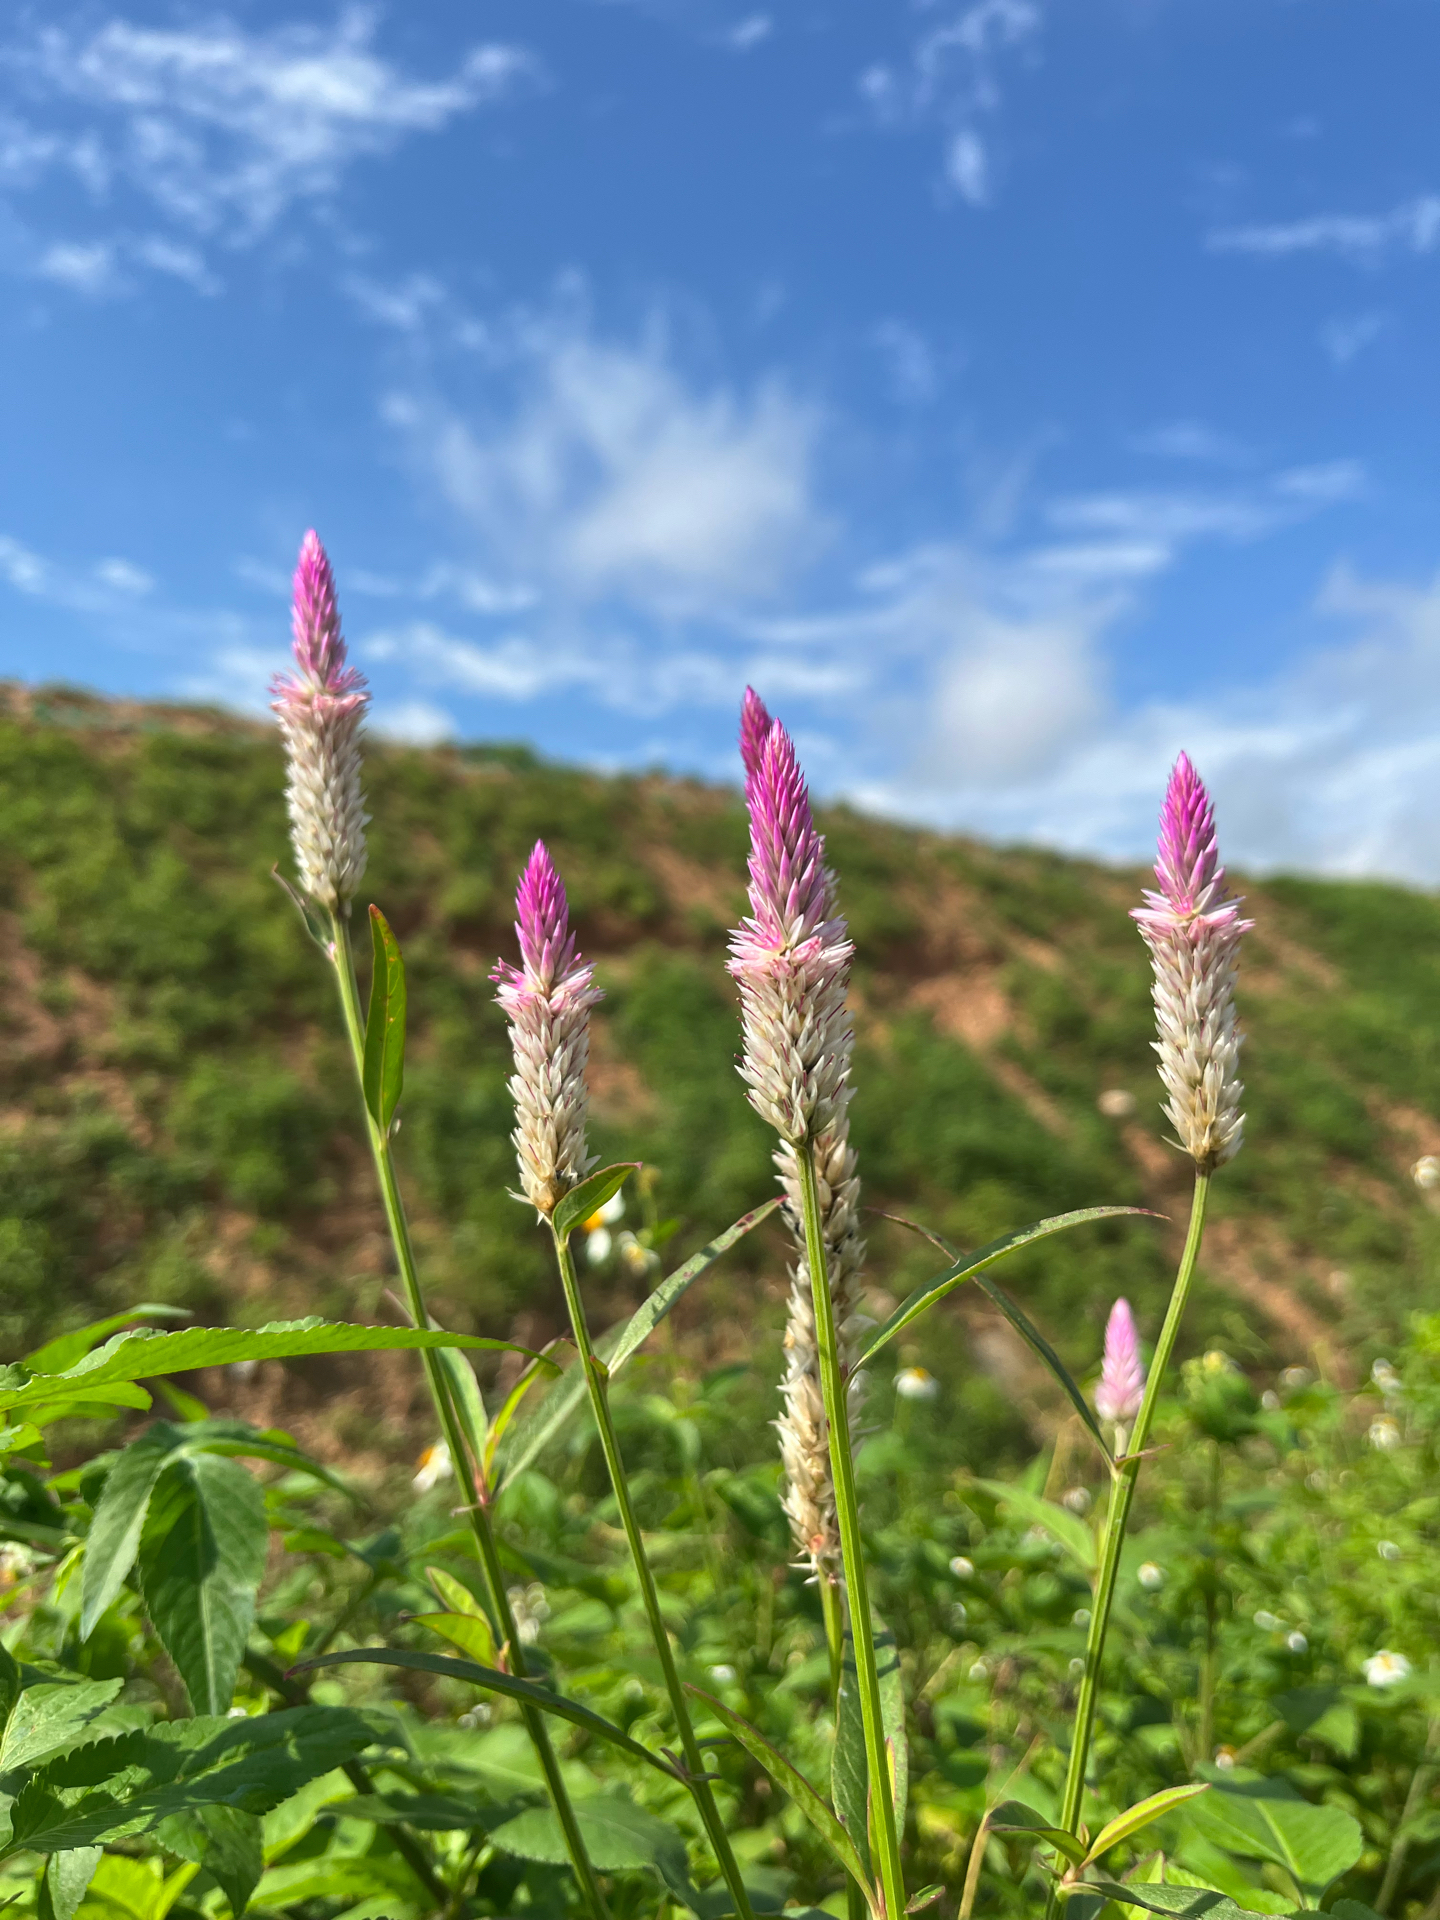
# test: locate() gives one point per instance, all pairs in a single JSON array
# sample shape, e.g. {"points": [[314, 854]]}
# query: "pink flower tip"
{"points": [[755, 725], [542, 925], [1122, 1374], [319, 646], [1187, 864]]}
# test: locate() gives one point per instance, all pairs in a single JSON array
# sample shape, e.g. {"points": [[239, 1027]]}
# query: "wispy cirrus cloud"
{"points": [[950, 80], [1363, 238], [219, 130]]}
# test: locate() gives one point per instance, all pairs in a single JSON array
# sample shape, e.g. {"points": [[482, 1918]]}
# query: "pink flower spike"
{"points": [[1122, 1375], [755, 725], [320, 709], [1193, 930], [548, 1000]]}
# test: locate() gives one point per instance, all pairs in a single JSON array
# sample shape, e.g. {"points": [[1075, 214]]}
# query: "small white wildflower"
{"points": [[959, 1615], [597, 1246], [435, 1466], [531, 1609], [1225, 1758], [1116, 1103], [1077, 1499], [722, 1672], [1080, 1617], [606, 1216], [1297, 1643], [1268, 1621], [1151, 1577], [1384, 1434], [1270, 1400], [17, 1562], [1387, 1550], [1383, 1373], [636, 1258], [1426, 1172], [1077, 1667], [1293, 1378], [1317, 1481], [915, 1383], [1385, 1669], [473, 1717], [962, 1568], [979, 1671]]}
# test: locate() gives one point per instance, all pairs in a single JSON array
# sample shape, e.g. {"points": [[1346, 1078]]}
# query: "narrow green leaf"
{"points": [[511, 1406], [926, 1897], [384, 1065], [470, 1632], [967, 1266], [892, 1718], [201, 1561], [806, 1798], [849, 1771], [1141, 1815], [493, 1681], [531, 1435], [454, 1593], [1192, 1903], [466, 1398], [1066, 1528], [315, 917], [578, 1205], [1013, 1816], [143, 1353], [58, 1354]]}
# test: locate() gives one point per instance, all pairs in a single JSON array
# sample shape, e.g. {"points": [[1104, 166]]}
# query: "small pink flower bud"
{"points": [[1122, 1374]]}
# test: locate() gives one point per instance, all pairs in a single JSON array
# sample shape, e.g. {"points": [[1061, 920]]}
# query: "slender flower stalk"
{"points": [[809, 1497], [548, 999], [320, 709], [319, 712], [790, 958], [1193, 931]]}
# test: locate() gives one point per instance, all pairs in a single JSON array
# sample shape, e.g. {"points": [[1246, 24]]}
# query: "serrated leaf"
{"points": [[1013, 1816], [114, 1538], [1315, 1844], [591, 1194], [1140, 1815], [618, 1835], [383, 1073], [111, 1789], [492, 1681], [223, 1840], [966, 1266], [1064, 1527], [530, 1436], [201, 1561], [58, 1354], [810, 1802], [44, 1721], [143, 1353]]}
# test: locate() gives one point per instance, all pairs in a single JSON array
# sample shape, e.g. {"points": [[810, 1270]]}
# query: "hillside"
{"points": [[179, 1121]]}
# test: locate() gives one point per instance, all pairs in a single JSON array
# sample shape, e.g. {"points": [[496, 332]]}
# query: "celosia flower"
{"points": [[1193, 930], [1122, 1374], [320, 710], [548, 998], [791, 958]]}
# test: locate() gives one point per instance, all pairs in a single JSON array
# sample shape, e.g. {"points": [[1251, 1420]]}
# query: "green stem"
{"points": [[847, 1510], [1126, 1473], [832, 1609], [697, 1778], [476, 1498]]}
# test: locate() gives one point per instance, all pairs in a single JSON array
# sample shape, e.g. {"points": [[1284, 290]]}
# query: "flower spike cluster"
{"points": [[320, 710], [1193, 930], [791, 959], [1122, 1373], [548, 999]]}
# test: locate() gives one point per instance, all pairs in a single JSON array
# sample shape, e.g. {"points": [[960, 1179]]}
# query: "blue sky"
{"points": [[1015, 391]]}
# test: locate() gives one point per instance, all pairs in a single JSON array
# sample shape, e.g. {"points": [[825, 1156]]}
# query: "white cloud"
{"points": [[750, 32], [1191, 440], [83, 267], [1365, 238], [418, 723], [967, 167], [611, 473], [914, 377], [407, 307], [101, 588], [224, 129], [951, 79], [124, 576], [1343, 339]]}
